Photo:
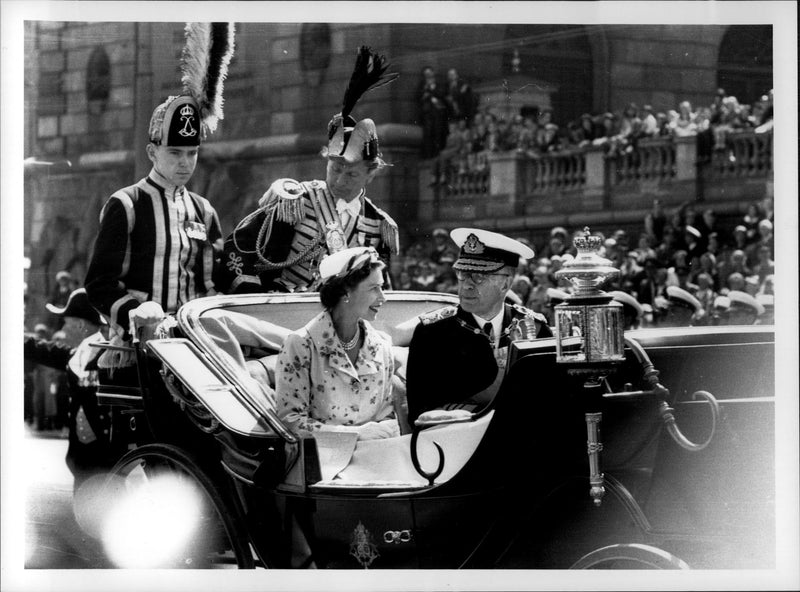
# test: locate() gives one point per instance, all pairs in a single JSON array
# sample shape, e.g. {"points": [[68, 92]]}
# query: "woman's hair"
{"points": [[334, 288]]}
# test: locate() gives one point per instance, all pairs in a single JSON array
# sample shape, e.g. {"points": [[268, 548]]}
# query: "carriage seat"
{"points": [[386, 463]]}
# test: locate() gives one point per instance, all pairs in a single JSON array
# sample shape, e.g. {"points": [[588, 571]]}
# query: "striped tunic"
{"points": [[149, 247]]}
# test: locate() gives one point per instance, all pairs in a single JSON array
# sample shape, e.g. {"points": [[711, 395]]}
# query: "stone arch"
{"points": [[560, 55], [744, 64], [98, 81]]}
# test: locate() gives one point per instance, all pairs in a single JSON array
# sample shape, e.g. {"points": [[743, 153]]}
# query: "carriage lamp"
{"points": [[589, 324], [590, 337]]}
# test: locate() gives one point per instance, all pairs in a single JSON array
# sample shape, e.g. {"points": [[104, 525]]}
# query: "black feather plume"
{"points": [[369, 73], [219, 57]]}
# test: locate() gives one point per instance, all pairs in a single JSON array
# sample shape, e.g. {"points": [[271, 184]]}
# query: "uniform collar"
{"points": [[496, 321], [162, 182], [354, 206]]}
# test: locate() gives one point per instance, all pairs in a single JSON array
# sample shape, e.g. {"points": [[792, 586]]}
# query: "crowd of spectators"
{"points": [[458, 133], [45, 389], [678, 260]]}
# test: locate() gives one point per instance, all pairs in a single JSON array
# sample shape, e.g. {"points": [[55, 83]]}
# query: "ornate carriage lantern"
{"points": [[589, 325], [590, 337]]}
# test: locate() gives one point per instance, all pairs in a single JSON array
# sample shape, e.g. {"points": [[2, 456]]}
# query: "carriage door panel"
{"points": [[728, 488], [364, 532]]}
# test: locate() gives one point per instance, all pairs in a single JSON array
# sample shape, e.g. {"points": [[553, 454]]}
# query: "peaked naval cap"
{"points": [[679, 296], [484, 251]]}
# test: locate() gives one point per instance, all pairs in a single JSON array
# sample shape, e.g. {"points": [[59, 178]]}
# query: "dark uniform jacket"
{"points": [[278, 247], [155, 242], [91, 447], [450, 359]]}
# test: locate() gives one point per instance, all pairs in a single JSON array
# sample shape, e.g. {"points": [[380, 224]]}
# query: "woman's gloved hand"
{"points": [[375, 430]]}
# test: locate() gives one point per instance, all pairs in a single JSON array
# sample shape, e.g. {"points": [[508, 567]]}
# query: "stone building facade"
{"points": [[90, 89]]}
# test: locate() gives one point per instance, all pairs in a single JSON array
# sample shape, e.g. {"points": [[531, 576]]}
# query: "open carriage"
{"points": [[673, 476]]}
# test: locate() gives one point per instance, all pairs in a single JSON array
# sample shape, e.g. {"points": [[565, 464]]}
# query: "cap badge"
{"points": [[473, 245], [187, 116]]}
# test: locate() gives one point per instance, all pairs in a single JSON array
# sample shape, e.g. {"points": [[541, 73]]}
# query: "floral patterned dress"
{"points": [[319, 388]]}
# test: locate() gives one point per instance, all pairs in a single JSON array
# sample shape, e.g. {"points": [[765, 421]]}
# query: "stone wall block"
{"points": [[76, 102], [50, 146], [285, 74], [123, 75], [627, 75], [121, 96], [78, 59], [285, 50], [51, 61], [282, 122], [290, 97], [74, 81], [47, 127], [74, 123], [122, 53], [117, 119]]}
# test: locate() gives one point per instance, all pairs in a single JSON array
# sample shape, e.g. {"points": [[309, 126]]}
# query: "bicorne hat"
{"points": [[77, 306], [354, 141]]}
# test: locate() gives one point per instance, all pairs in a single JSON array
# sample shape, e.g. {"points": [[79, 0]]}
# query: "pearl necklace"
{"points": [[353, 342]]}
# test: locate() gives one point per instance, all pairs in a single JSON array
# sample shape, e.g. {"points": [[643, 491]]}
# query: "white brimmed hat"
{"points": [[628, 302], [739, 298], [486, 251], [343, 262], [678, 295]]}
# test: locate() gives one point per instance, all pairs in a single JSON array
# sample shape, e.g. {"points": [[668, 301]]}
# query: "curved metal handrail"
{"points": [[665, 411]]}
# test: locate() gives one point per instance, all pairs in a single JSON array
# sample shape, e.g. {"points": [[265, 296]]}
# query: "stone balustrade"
{"points": [[513, 190]]}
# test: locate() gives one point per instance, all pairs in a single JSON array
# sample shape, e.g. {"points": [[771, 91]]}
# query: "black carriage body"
{"points": [[521, 498]]}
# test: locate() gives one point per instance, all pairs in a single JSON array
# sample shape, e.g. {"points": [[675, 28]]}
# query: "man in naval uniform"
{"points": [[683, 309], [279, 246], [457, 355]]}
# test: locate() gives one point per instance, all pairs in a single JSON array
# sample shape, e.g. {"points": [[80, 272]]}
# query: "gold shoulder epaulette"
{"points": [[284, 197], [529, 313], [437, 315], [389, 230]]}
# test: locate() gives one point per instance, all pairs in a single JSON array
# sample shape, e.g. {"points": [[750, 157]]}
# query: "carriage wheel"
{"points": [[629, 556], [166, 511]]}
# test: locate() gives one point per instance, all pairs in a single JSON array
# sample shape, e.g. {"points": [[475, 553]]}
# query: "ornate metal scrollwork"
{"points": [[397, 536]]}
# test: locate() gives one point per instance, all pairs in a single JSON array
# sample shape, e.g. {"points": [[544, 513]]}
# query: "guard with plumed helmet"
{"points": [[158, 242]]}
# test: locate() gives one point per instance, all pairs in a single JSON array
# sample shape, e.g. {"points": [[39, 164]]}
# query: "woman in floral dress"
{"points": [[335, 374]]}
